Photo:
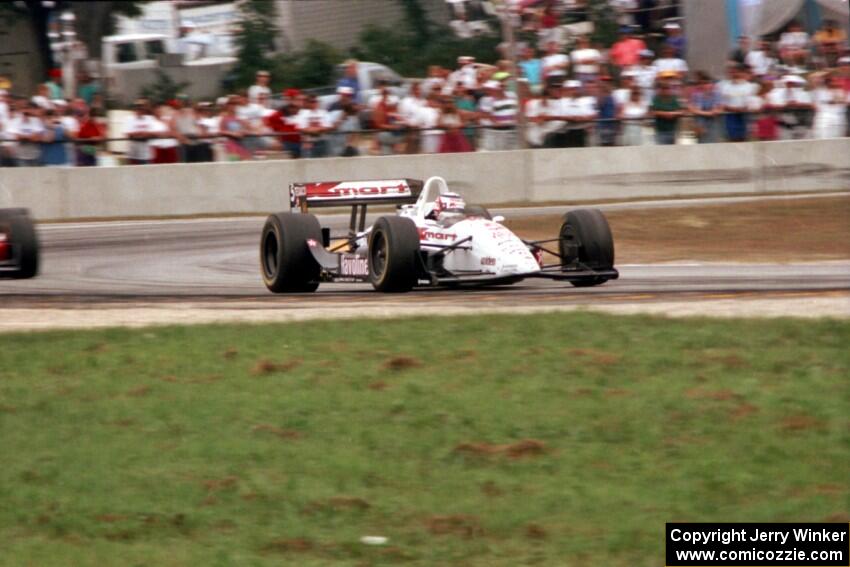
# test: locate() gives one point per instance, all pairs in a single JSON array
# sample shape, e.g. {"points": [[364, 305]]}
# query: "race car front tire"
{"points": [[286, 264], [586, 236], [393, 250], [21, 234]]}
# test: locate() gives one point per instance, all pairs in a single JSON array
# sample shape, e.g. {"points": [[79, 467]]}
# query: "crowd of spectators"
{"points": [[582, 94]]}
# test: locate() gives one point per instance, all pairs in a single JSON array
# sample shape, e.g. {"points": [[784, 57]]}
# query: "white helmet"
{"points": [[449, 203]]}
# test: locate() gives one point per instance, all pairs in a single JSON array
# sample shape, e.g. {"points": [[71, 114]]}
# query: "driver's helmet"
{"points": [[449, 204]]}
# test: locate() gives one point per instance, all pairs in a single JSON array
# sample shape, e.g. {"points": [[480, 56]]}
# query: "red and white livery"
{"points": [[434, 239]]}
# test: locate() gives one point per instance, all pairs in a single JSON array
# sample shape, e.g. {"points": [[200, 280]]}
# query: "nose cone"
{"points": [[512, 256]]}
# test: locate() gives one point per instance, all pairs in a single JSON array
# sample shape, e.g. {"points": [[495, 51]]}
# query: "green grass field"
{"points": [[500, 440]]}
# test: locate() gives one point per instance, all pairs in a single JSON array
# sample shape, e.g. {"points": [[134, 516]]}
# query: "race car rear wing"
{"points": [[345, 193]]}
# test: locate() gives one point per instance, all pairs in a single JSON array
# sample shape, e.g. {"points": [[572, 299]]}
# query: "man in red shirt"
{"points": [[626, 51]]}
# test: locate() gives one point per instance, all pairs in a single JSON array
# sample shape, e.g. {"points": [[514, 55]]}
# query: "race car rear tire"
{"points": [[22, 235], [286, 264], [477, 211], [393, 250], [585, 236]]}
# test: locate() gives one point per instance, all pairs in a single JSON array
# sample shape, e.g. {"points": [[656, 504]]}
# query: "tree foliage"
{"points": [[164, 89], [255, 39]]}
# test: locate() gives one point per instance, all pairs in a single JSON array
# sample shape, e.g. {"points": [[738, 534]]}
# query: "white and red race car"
{"points": [[434, 239], [18, 245]]}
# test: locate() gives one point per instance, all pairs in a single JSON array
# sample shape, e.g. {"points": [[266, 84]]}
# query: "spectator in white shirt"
{"points": [[466, 73], [585, 60], [644, 73], [633, 112], [498, 109], [830, 100], [669, 62], [313, 123], [140, 128], [28, 130], [760, 59], [790, 96], [736, 93], [260, 86], [794, 45], [555, 63], [577, 112]]}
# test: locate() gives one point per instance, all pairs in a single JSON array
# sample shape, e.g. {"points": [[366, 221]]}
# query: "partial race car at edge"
{"points": [[19, 250], [434, 239]]}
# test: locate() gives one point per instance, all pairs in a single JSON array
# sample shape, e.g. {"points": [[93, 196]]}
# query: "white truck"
{"points": [[130, 62]]}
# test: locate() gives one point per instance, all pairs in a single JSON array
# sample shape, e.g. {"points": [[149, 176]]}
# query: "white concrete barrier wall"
{"points": [[484, 177]]}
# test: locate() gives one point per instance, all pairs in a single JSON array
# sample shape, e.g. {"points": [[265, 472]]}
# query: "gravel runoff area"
{"points": [[835, 305]]}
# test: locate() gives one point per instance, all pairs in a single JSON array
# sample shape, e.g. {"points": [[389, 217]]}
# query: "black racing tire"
{"points": [[22, 235], [393, 248], [477, 211], [586, 236], [286, 264]]}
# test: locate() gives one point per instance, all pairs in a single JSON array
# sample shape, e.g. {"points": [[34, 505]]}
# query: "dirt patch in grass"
{"points": [[595, 356], [298, 545], [518, 450], [398, 363], [768, 231], [462, 525], [277, 431], [800, 422], [337, 504], [265, 366]]}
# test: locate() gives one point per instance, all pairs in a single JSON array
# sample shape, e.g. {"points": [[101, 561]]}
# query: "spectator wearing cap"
{"points": [[260, 87], [349, 79], [704, 105], [666, 109], [555, 63], [576, 112], [644, 73], [498, 110], [626, 50], [791, 97], [428, 121], [466, 73], [585, 60], [735, 94], [675, 39], [670, 63]]}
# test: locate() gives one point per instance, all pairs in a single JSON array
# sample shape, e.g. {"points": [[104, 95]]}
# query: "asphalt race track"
{"points": [[217, 260]]}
